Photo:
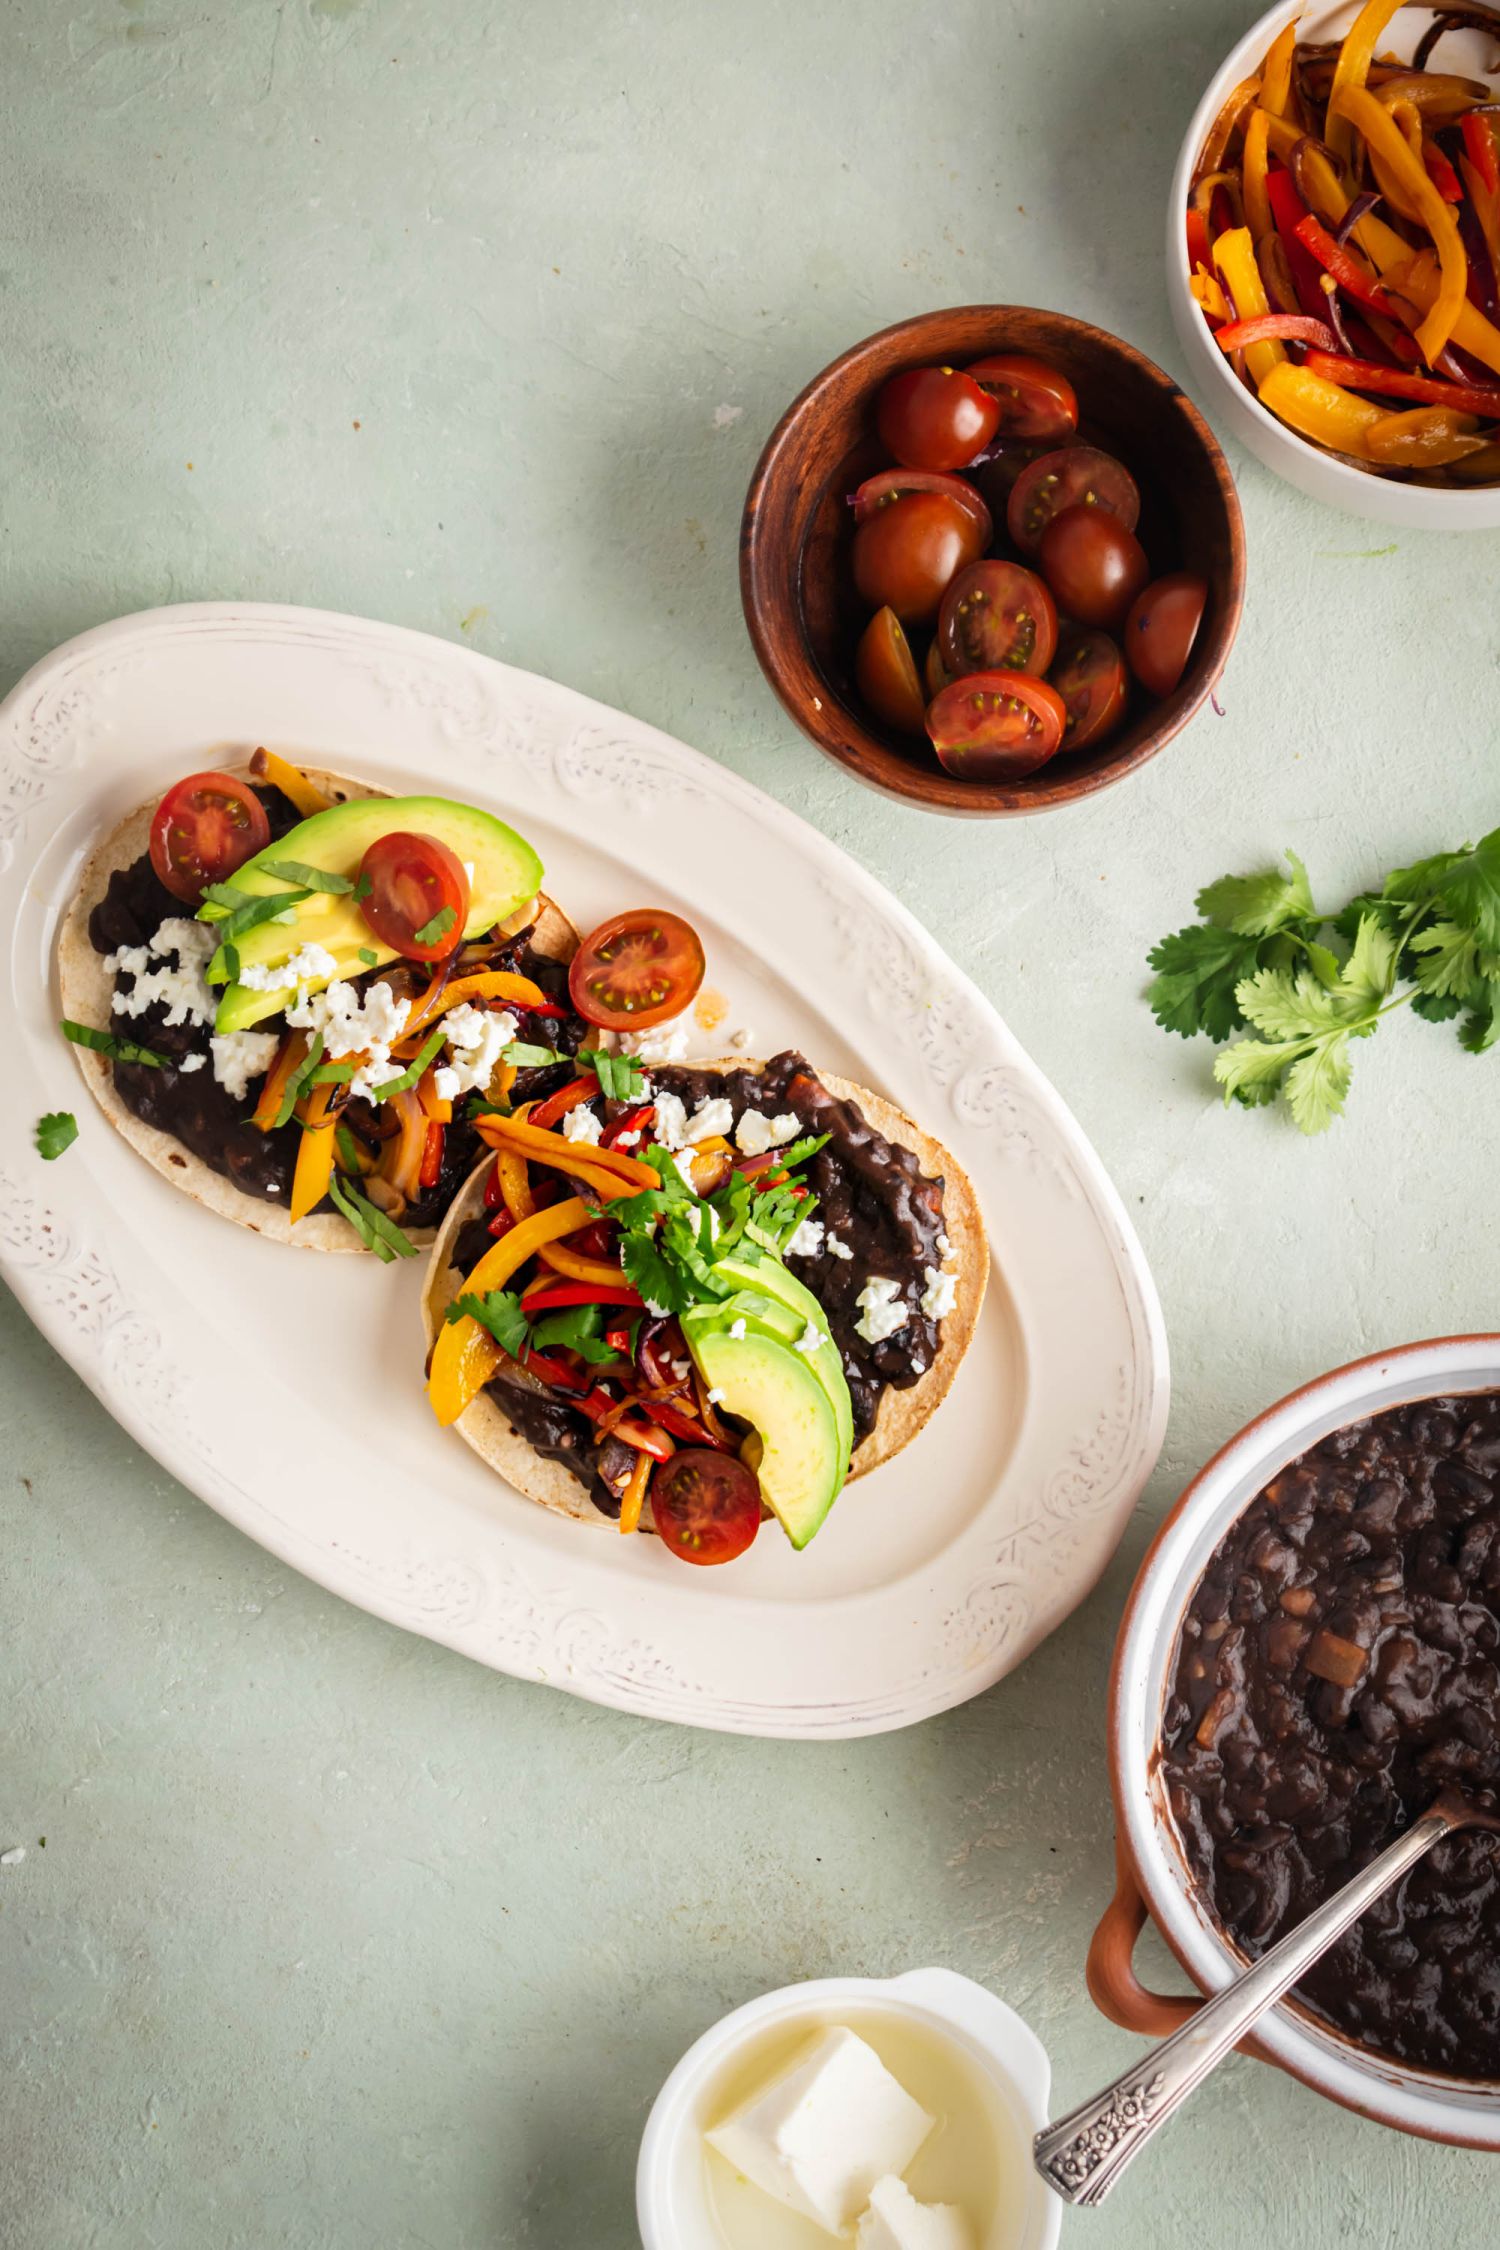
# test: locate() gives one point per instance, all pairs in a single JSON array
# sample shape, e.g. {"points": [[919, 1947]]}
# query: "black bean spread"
{"points": [[1339, 1663], [212, 1124], [872, 1196]]}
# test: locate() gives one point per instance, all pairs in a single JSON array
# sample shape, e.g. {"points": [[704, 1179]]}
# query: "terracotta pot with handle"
{"points": [[1153, 1879]]}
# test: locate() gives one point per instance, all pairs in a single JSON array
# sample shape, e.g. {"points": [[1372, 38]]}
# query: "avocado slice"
{"points": [[773, 1388], [787, 1321], [507, 872]]}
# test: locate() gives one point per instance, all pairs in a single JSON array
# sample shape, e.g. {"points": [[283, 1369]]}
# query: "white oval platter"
{"points": [[285, 1388]]}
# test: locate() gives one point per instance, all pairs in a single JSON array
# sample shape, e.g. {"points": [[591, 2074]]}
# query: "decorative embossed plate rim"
{"points": [[970, 1547]]}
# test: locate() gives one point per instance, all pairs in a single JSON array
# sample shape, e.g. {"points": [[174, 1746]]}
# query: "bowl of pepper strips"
{"points": [[1333, 256]]}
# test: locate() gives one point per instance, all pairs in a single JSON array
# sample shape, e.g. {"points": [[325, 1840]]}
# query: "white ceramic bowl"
{"points": [[1153, 1875], [1226, 401], [672, 2206]]}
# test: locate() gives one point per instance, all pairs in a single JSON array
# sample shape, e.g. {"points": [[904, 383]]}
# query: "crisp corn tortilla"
{"points": [[86, 988], [901, 1414]]}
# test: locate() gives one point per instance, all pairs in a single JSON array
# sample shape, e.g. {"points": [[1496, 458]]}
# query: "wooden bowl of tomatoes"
{"points": [[992, 560]]}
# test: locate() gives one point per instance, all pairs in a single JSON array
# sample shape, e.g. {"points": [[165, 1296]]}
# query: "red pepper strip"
{"points": [[1347, 272], [1441, 173], [546, 1296], [494, 1194], [501, 1223], [1199, 248], [691, 1431], [1289, 210], [553, 1371], [1479, 142], [1299, 327], [631, 1121], [1395, 382], [432, 1156], [541, 1008], [557, 1105], [593, 1241], [618, 1336], [598, 1404]]}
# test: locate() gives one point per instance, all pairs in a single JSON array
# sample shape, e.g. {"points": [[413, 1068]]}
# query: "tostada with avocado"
{"points": [[290, 992], [693, 1297]]}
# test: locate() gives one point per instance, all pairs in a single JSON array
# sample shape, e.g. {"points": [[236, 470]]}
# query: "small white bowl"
{"points": [[672, 2202], [1225, 398]]}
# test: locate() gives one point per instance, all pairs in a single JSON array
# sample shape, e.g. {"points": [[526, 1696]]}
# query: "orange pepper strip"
{"points": [[515, 1187], [1384, 139], [578, 1163], [1352, 69], [434, 1107], [550, 1148], [1276, 71], [597, 1270], [634, 1496], [465, 1355], [1256, 157], [291, 781], [291, 1054], [314, 1156], [489, 984]]}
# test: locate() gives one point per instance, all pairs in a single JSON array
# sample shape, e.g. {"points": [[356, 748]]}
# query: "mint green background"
{"points": [[337, 1940]]}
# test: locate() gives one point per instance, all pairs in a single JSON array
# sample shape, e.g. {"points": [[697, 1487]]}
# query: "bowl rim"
{"points": [[1462, 2112], [1206, 663], [1422, 497]]}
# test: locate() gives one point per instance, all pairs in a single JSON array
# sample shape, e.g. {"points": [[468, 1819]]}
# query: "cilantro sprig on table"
{"points": [[1303, 983]]}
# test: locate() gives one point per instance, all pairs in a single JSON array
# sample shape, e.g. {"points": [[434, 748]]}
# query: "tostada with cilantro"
{"points": [[290, 991], [691, 1297]]}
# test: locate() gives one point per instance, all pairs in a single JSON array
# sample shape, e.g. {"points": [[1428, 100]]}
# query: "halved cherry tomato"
{"points": [[1089, 674], [996, 476], [935, 418], [906, 552], [1161, 630], [1094, 565], [997, 617], [203, 830], [889, 484], [637, 969], [935, 673], [996, 726], [886, 674], [417, 901], [706, 1505], [1074, 476], [1034, 400]]}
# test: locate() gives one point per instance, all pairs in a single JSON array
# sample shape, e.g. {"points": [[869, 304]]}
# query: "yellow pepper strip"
{"points": [[465, 1355], [1428, 437], [1417, 278], [634, 1496], [502, 1082], [1234, 255], [1353, 68], [490, 984], [515, 1187], [291, 781], [1257, 202], [576, 1158], [314, 1156], [291, 1054], [1318, 410], [1209, 295], [435, 1108], [1282, 136], [550, 1148], [1276, 71], [597, 1270], [1383, 137]]}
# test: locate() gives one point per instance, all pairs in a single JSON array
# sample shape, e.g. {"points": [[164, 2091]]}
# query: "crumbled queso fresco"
{"points": [[182, 989], [755, 1134], [476, 1041], [881, 1310], [311, 964], [354, 1026], [581, 1124], [240, 1056], [663, 1043]]}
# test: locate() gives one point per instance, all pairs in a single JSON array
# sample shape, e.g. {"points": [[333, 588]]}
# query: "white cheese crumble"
{"points": [[812, 1339], [715, 1397], [379, 1070], [310, 964], [737, 1330], [663, 1043], [941, 1293], [756, 1133], [351, 1026], [240, 1056], [944, 1248], [881, 1310], [807, 1242], [627, 1140], [190, 1063], [182, 989], [714, 1118], [670, 1128], [683, 1159], [581, 1124], [477, 1038], [740, 1040], [837, 1249], [135, 958]]}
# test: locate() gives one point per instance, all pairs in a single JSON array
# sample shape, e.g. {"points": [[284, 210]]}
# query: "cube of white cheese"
{"points": [[897, 2221], [820, 2136]]}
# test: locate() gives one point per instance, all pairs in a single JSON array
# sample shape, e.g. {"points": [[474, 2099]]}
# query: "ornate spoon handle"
{"points": [[1083, 2155]]}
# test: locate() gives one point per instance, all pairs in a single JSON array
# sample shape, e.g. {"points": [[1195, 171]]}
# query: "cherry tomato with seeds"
{"points": [[997, 617], [935, 418], [889, 484], [1089, 674], [906, 552], [1073, 476], [705, 1505], [1035, 401], [416, 895], [996, 726], [636, 970], [885, 673], [935, 673], [203, 831], [1094, 565], [1162, 627]]}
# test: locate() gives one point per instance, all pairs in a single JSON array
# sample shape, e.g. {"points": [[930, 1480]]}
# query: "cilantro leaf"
{"points": [[530, 1058], [577, 1328], [1481, 1027], [498, 1310], [439, 926], [802, 1152], [1469, 886], [107, 1043], [1317, 1083], [621, 1078], [55, 1132], [1198, 970], [1259, 905], [663, 1285]]}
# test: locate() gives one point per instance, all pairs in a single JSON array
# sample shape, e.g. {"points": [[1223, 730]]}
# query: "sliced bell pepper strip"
{"points": [[1479, 141], [1253, 174], [1234, 255], [629, 1121], [466, 1355], [1199, 248], [1417, 278], [1222, 131], [434, 1105], [400, 1160], [633, 1498], [1292, 327], [557, 1105], [1276, 70], [550, 1148], [1441, 173], [1289, 210], [1397, 382], [551, 1296], [684, 1426], [1210, 299], [1383, 138], [290, 1057], [1353, 68], [432, 1155], [501, 1223], [1317, 409], [644, 1438], [489, 984], [315, 1154], [291, 781], [1346, 270], [578, 1268], [1426, 437]]}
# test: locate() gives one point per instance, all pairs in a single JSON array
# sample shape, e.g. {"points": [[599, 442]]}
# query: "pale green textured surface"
{"points": [[337, 1940]]}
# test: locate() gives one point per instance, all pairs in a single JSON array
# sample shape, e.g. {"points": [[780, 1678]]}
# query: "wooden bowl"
{"points": [[795, 577]]}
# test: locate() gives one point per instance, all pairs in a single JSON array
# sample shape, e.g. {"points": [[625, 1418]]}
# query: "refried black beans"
{"points": [[1339, 1663]]}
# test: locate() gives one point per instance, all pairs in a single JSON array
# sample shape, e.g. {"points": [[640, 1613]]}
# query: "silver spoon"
{"points": [[1084, 2154]]}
